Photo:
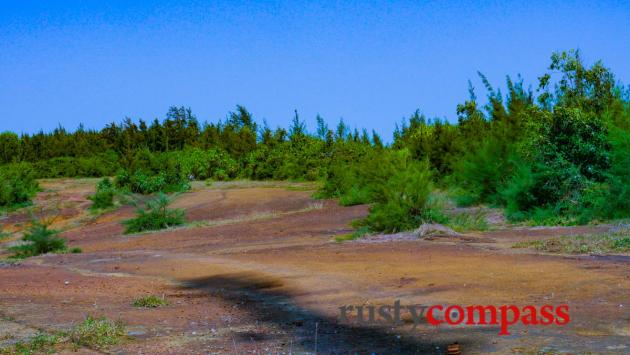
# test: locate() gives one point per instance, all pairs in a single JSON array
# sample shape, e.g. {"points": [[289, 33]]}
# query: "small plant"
{"points": [[39, 240], [151, 301], [76, 250], [104, 196], [40, 343], [97, 333], [155, 216]]}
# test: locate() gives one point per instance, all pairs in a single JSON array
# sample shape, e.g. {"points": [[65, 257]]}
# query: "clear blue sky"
{"points": [[369, 62]]}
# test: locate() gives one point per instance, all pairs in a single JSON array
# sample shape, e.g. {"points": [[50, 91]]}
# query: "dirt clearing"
{"points": [[257, 270]]}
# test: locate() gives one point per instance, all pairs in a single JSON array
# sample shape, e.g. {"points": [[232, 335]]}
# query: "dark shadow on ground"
{"points": [[266, 300]]}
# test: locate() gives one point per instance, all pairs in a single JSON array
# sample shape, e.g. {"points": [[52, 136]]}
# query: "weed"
{"points": [[97, 333], [151, 301]]}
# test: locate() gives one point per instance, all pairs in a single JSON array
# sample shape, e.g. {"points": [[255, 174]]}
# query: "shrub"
{"points": [[150, 302], [17, 185], [406, 201], [104, 196], [363, 181], [40, 240], [155, 216], [97, 333]]}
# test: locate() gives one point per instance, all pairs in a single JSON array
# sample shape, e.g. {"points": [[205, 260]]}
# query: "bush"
{"points": [[40, 240], [155, 216], [104, 196], [363, 181], [406, 202], [17, 185]]}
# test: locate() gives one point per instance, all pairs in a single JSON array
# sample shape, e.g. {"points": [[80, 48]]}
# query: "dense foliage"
{"points": [[17, 185], [559, 153]]}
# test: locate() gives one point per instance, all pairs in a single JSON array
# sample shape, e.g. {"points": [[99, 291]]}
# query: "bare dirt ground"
{"points": [[257, 270]]}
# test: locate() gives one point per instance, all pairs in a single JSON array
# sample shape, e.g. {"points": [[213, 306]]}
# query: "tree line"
{"points": [[556, 153]]}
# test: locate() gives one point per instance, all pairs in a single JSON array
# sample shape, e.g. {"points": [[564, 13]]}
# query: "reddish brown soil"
{"points": [[262, 274]]}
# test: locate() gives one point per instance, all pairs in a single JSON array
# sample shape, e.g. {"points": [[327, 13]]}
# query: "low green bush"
{"points": [[39, 240], [155, 216], [104, 196]]}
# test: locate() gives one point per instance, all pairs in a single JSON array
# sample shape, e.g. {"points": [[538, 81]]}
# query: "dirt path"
{"points": [[259, 272]]}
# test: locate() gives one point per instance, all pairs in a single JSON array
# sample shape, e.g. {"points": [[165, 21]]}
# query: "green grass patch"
{"points": [[97, 333], [151, 301], [463, 222], [41, 343], [618, 242], [361, 232], [93, 333], [346, 237]]}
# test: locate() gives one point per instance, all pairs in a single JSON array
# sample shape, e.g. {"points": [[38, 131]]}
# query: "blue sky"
{"points": [[372, 63]]}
